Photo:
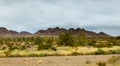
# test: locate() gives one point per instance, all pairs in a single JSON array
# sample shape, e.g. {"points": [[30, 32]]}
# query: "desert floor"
{"points": [[55, 60]]}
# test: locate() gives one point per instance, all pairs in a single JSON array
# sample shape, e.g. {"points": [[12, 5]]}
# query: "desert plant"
{"points": [[111, 51], [32, 55], [117, 51], [40, 61], [7, 52], [101, 63], [100, 52], [42, 55], [88, 61], [38, 41], [113, 59], [66, 39], [81, 39], [44, 47], [75, 53]]}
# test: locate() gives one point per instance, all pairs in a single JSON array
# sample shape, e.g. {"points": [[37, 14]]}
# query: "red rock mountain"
{"points": [[50, 32], [56, 31]]}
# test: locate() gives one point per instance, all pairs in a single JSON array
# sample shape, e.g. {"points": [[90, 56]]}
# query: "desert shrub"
{"points": [[88, 62], [13, 48], [49, 40], [44, 47], [113, 59], [100, 52], [23, 47], [111, 51], [91, 42], [7, 52], [114, 51], [75, 53], [32, 55], [14, 55], [42, 55], [66, 39], [36, 55], [101, 63], [117, 51], [38, 41], [81, 39], [40, 61]]}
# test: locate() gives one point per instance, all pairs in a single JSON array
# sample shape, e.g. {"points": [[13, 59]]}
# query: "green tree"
{"points": [[38, 41], [66, 39], [81, 39]]}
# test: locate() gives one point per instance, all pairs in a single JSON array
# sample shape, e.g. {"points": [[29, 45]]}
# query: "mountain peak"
{"points": [[103, 34]]}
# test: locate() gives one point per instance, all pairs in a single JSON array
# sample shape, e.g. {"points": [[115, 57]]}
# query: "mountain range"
{"points": [[4, 32]]}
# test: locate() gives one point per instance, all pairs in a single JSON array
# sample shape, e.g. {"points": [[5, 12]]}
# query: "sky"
{"points": [[33, 15]]}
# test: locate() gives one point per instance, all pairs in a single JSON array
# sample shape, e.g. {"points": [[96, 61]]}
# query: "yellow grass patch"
{"points": [[60, 51]]}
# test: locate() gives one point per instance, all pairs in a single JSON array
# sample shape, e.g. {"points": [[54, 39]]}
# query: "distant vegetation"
{"points": [[66, 39]]}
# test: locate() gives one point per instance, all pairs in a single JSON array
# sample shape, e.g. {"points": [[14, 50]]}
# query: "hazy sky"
{"points": [[32, 15]]}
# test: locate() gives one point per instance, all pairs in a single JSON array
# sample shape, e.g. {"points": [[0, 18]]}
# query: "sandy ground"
{"points": [[55, 60]]}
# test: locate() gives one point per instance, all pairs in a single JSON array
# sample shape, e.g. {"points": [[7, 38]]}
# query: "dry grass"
{"points": [[40, 61], [112, 48], [61, 51]]}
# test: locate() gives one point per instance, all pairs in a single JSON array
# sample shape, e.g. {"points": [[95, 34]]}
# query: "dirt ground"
{"points": [[55, 60]]}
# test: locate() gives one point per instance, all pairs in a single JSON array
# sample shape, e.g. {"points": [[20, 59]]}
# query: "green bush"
{"points": [[32, 55], [14, 55], [111, 51], [13, 48], [100, 52], [75, 53], [66, 39], [38, 41], [88, 62], [42, 55], [7, 52], [101, 63], [114, 51], [117, 51], [44, 47], [82, 40]]}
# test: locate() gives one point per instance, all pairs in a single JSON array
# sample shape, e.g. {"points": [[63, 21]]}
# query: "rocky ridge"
{"points": [[50, 32]]}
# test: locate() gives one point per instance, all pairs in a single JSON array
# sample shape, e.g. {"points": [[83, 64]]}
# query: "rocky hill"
{"points": [[50, 32], [56, 31], [4, 32]]}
